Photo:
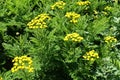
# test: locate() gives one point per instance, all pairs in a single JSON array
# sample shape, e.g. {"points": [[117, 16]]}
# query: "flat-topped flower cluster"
{"points": [[22, 63], [39, 21], [91, 55]]}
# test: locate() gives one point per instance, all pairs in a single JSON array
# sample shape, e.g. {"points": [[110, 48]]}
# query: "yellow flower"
{"points": [[75, 37], [108, 8], [74, 21], [59, 5], [31, 69], [105, 13], [91, 55], [39, 21], [81, 3], [20, 63], [72, 16], [1, 78], [95, 12], [15, 64], [110, 39]]}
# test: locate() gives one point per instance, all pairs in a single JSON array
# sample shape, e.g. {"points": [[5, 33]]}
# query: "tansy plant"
{"points": [[61, 50], [75, 37], [59, 5], [107, 8], [109, 39], [1, 78], [39, 21], [82, 3], [91, 55], [95, 12], [22, 63], [72, 16]]}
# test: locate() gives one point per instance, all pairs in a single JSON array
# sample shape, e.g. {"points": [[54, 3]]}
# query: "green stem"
{"points": [[25, 75]]}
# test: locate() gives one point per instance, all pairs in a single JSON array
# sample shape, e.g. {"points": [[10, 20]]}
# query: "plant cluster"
{"points": [[73, 16], [39, 21], [59, 40], [59, 5], [81, 3], [91, 55], [22, 62], [74, 37]]}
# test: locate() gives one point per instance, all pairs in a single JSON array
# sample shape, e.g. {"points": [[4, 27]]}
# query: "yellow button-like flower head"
{"points": [[1, 78], [82, 3], [72, 16], [110, 39], [59, 5], [39, 21], [108, 8], [75, 37], [91, 55], [20, 63]]}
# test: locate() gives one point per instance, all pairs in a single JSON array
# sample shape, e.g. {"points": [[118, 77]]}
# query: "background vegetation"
{"points": [[54, 58]]}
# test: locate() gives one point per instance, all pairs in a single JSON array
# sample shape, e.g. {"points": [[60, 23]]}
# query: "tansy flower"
{"points": [[108, 8], [95, 12], [75, 37], [110, 39], [1, 78], [22, 63], [91, 55], [39, 21], [72, 16], [105, 13], [81, 3], [59, 5]]}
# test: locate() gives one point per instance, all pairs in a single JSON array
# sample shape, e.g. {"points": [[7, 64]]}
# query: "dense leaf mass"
{"points": [[59, 40]]}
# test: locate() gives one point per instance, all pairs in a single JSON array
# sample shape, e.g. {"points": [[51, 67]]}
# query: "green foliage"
{"points": [[53, 57]]}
